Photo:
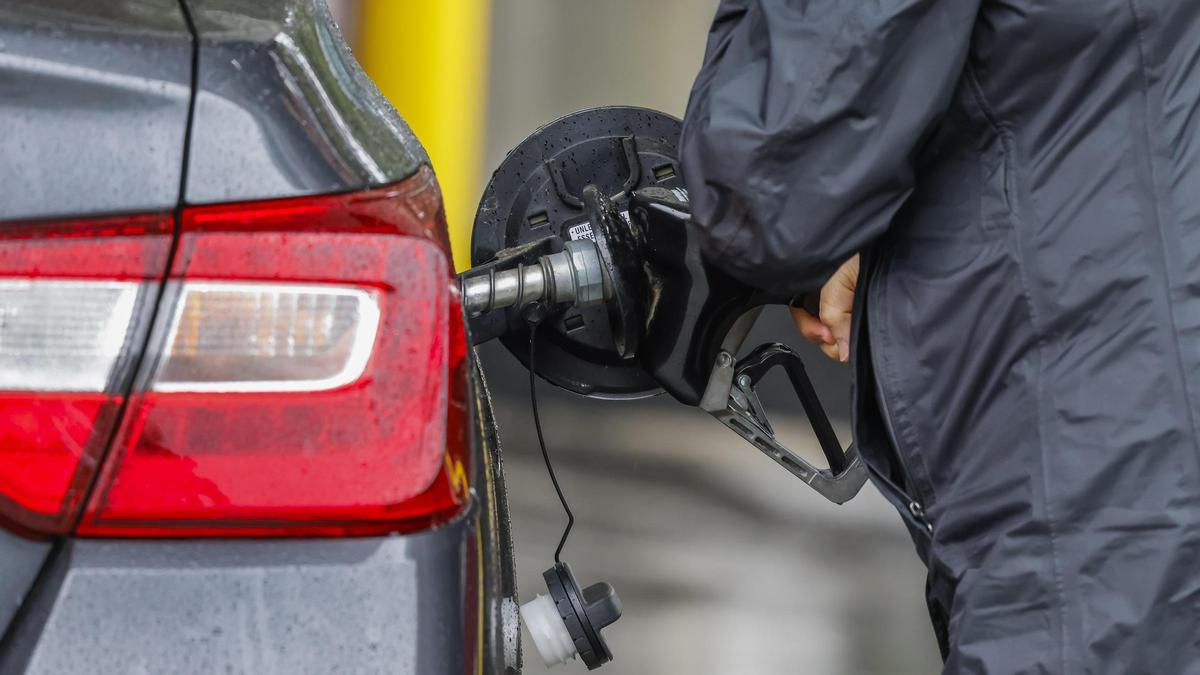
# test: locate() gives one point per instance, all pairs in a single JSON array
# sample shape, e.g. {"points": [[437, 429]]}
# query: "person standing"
{"points": [[1001, 202]]}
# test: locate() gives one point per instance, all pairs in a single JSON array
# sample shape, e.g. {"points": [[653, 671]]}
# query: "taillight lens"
{"points": [[303, 376], [75, 300]]}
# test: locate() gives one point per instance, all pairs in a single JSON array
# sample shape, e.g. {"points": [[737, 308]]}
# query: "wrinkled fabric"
{"points": [[1023, 180]]}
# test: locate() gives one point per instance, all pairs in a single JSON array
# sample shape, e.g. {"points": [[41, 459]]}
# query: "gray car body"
{"points": [[132, 106]]}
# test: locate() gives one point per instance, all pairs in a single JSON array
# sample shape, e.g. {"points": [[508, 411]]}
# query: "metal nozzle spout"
{"points": [[573, 276]]}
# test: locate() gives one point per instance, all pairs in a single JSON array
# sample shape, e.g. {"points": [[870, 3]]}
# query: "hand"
{"points": [[832, 330]]}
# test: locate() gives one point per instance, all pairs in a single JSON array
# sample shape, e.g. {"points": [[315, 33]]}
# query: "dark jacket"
{"points": [[1023, 179]]}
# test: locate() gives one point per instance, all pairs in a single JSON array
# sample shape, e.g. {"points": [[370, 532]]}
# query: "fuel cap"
{"points": [[567, 622]]}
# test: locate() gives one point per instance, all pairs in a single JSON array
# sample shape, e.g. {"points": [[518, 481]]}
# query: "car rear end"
{"points": [[241, 430]]}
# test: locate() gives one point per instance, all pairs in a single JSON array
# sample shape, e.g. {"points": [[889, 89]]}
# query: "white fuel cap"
{"points": [[567, 622], [549, 633]]}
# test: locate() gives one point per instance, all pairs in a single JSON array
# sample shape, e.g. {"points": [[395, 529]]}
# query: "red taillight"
{"points": [[299, 377], [75, 298]]}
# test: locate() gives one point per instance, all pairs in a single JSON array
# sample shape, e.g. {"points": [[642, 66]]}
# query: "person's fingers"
{"points": [[811, 327], [831, 329], [832, 352], [837, 304]]}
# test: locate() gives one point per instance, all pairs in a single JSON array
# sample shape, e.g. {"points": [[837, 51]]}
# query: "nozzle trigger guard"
{"points": [[744, 414]]}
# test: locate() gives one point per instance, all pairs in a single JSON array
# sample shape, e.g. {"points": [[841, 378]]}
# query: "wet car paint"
{"points": [[283, 109], [93, 106]]}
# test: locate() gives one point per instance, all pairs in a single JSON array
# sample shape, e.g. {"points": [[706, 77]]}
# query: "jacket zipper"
{"points": [[915, 508]]}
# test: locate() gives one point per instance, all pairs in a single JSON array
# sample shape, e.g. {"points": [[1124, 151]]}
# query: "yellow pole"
{"points": [[429, 57]]}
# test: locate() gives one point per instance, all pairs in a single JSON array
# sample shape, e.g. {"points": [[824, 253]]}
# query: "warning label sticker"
{"points": [[581, 231], [584, 230]]}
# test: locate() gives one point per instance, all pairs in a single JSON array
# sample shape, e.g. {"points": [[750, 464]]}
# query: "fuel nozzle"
{"points": [[567, 622]]}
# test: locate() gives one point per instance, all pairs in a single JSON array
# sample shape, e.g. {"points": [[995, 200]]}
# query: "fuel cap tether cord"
{"points": [[534, 314]]}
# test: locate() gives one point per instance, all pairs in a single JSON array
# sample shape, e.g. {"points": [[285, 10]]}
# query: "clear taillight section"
{"points": [[233, 337], [58, 335], [304, 375]]}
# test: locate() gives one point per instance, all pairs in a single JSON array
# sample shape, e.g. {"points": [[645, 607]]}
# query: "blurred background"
{"points": [[724, 562]]}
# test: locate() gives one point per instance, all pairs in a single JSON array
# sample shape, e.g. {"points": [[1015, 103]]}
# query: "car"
{"points": [[241, 428]]}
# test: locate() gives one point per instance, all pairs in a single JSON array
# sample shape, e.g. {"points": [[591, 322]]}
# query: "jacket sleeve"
{"points": [[802, 126]]}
